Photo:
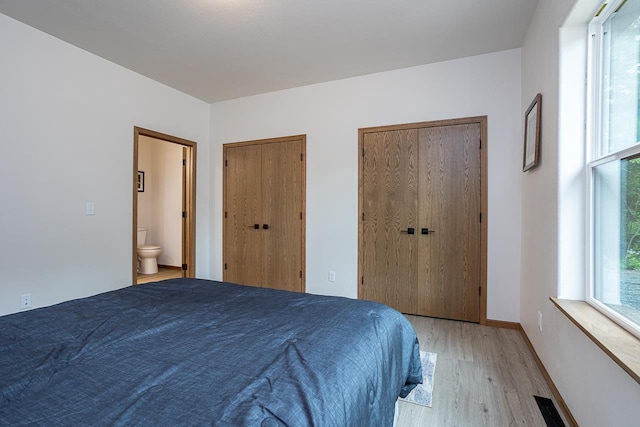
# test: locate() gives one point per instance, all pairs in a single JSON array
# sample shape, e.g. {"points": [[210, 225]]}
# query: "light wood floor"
{"points": [[484, 376], [162, 274]]}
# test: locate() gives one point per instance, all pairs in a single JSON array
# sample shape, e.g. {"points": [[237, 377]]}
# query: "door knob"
{"points": [[256, 226], [409, 230], [265, 226], [427, 231]]}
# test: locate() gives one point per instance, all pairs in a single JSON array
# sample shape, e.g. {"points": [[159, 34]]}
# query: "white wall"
{"points": [[66, 134], [597, 391], [160, 204], [330, 115]]}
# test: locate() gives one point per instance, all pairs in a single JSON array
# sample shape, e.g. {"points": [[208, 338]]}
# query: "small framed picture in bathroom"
{"points": [[140, 182]]}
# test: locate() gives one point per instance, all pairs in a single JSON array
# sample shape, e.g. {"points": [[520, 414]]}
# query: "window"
{"points": [[614, 163]]}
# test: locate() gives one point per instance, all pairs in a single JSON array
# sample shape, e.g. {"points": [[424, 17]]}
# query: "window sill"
{"points": [[618, 343]]}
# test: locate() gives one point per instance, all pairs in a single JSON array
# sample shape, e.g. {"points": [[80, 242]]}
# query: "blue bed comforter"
{"points": [[198, 352]]}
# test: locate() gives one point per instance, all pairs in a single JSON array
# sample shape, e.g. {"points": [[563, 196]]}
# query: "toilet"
{"points": [[147, 254]]}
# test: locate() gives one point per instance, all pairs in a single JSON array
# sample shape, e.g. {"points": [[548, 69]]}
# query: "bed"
{"points": [[199, 352]]}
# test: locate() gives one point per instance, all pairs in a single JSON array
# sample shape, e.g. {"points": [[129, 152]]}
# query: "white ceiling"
{"points": [[223, 49]]}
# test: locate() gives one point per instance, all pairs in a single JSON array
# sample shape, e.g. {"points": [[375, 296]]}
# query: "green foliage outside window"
{"points": [[632, 215]]}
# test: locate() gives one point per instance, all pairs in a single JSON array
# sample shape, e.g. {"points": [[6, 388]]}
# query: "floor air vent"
{"points": [[549, 412]]}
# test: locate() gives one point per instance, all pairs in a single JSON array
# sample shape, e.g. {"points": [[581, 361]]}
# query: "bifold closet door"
{"points": [[390, 195], [242, 225]]}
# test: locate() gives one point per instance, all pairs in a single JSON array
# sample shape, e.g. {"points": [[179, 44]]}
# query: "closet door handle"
{"points": [[265, 226], [426, 231], [256, 226], [409, 230]]}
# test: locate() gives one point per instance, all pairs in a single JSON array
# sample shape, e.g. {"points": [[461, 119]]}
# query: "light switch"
{"points": [[91, 208], [332, 276]]}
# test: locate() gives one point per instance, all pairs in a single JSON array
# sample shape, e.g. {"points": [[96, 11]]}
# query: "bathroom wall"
{"points": [[160, 204]]}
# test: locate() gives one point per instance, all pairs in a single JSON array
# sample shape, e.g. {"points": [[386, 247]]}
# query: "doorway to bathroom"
{"points": [[164, 171]]}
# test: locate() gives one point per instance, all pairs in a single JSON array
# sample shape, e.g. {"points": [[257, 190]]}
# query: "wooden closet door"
{"points": [[450, 205], [264, 204], [427, 176], [282, 200], [243, 205], [390, 197]]}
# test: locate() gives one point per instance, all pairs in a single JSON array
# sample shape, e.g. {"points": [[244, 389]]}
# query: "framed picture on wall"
{"points": [[532, 128], [140, 182]]}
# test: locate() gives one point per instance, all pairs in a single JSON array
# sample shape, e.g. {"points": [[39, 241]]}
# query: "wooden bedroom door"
{"points": [[264, 213], [421, 236]]}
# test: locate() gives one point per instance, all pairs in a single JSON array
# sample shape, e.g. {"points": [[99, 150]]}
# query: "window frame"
{"points": [[594, 156]]}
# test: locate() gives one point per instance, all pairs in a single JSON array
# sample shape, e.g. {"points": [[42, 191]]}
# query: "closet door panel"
{"points": [[390, 194], [243, 205], [450, 206], [282, 207]]}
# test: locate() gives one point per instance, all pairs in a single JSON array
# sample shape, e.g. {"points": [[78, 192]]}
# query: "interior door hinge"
{"points": [[184, 267], [363, 216], [363, 152], [301, 274], [480, 290], [226, 163], [225, 265], [184, 214], [480, 216], [480, 145], [184, 162], [362, 280], [225, 214], [300, 215], [301, 157]]}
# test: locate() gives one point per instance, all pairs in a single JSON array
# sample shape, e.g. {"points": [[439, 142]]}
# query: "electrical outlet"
{"points": [[25, 301], [332, 276], [540, 321]]}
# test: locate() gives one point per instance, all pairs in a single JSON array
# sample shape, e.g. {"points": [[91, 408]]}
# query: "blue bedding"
{"points": [[198, 352]]}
